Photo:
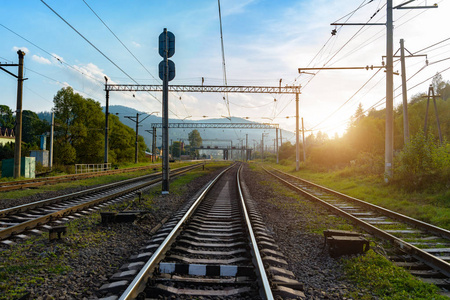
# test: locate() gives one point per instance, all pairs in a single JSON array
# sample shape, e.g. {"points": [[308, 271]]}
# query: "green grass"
{"points": [[18, 273], [429, 207], [83, 182], [380, 278]]}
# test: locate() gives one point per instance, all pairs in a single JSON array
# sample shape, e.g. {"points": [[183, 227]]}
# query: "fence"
{"points": [[90, 168]]}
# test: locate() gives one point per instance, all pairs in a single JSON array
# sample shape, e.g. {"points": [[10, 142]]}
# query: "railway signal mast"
{"points": [[166, 74]]}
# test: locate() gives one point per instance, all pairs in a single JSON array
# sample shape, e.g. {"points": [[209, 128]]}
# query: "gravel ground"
{"points": [[291, 222], [83, 260]]}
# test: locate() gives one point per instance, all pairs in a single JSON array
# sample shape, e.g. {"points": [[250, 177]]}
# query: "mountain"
{"points": [[211, 136]]}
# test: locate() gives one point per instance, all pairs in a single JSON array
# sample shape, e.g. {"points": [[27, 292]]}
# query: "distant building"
{"points": [[6, 136]]}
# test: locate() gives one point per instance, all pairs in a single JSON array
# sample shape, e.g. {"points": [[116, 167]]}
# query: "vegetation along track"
{"points": [[35, 182], [211, 248], [27, 217], [422, 248]]}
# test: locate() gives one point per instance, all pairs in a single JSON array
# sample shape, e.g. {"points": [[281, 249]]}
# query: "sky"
{"points": [[264, 41]]}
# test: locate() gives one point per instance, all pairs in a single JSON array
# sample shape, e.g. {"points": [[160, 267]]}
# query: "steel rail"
{"points": [[140, 280], [9, 231], [418, 253], [27, 183], [254, 245], [37, 204], [395, 215]]}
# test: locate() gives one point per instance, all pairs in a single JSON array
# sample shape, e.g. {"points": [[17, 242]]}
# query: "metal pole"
{"points": [[430, 88], [389, 143], [303, 144], [262, 147], [297, 151], [52, 128], [231, 150], [404, 93], [106, 121], [246, 147], [154, 145], [437, 117], [136, 144], [276, 138], [281, 137], [18, 129], [165, 119]]}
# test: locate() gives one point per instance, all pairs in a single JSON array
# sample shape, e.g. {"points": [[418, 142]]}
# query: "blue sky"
{"points": [[265, 41]]}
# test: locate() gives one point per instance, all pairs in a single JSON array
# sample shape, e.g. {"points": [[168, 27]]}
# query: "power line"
{"points": [[348, 99], [89, 42], [52, 55]]}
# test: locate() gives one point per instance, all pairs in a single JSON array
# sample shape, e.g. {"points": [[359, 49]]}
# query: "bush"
{"points": [[423, 164]]}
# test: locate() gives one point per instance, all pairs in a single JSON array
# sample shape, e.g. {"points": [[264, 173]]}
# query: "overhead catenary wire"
{"points": [[52, 55], [98, 50]]}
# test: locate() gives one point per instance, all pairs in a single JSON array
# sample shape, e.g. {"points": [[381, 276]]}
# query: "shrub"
{"points": [[423, 164]]}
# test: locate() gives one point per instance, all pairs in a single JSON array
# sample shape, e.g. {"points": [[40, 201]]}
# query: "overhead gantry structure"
{"points": [[199, 89]]}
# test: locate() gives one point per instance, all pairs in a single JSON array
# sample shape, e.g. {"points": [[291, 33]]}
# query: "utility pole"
{"points": [[297, 151], [262, 145], [137, 137], [106, 122], [52, 128], [136, 120], [153, 147], [404, 89], [389, 141], [276, 138], [303, 145], [431, 93], [18, 126], [246, 147]]}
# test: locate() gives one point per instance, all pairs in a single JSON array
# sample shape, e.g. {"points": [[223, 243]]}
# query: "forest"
{"points": [[79, 132], [421, 163]]}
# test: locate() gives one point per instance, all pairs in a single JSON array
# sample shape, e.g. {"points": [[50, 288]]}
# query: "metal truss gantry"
{"points": [[204, 89], [219, 125]]}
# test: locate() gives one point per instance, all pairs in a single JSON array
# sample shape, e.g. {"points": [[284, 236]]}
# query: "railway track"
{"points": [[215, 247], [35, 182], [423, 249], [28, 217]]}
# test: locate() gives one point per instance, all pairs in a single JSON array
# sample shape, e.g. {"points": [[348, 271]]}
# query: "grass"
{"points": [[83, 182], [428, 207], [374, 275], [19, 274], [380, 278]]}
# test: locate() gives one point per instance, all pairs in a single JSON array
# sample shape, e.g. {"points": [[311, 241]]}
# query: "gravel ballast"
{"points": [[83, 260]]}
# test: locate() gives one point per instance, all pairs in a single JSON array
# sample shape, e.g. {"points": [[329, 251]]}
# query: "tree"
{"points": [[33, 128], [195, 141], [80, 124], [286, 151], [6, 117], [176, 149]]}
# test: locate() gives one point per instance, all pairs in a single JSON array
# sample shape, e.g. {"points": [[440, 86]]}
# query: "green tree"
{"points": [[176, 149], [33, 128], [79, 129], [195, 141], [6, 117], [286, 151]]}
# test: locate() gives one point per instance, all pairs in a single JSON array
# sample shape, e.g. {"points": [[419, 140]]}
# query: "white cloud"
{"points": [[24, 49], [57, 58], [41, 60], [137, 45]]}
